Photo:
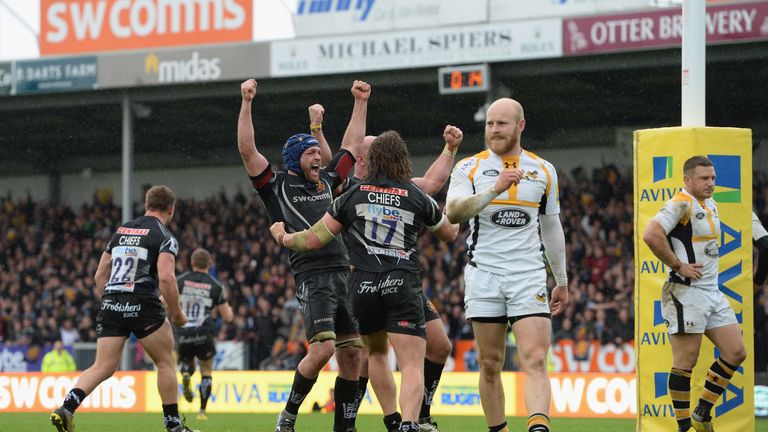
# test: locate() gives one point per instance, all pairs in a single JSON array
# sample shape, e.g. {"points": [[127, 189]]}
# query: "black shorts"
{"points": [[124, 313], [324, 303], [390, 301], [430, 311], [195, 342]]}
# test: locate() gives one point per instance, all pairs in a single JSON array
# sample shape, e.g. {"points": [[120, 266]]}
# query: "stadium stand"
{"points": [[49, 253]]}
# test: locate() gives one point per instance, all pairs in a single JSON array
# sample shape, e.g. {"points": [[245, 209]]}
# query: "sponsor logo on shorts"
{"points": [[128, 310], [387, 286], [491, 173], [510, 218], [541, 296], [192, 339], [406, 324], [321, 320]]}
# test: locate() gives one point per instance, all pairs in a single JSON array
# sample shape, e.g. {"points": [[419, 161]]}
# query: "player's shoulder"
{"points": [[467, 164], [538, 159]]}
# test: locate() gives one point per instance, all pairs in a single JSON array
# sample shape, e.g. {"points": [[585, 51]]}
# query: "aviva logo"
{"points": [[662, 168], [728, 178]]}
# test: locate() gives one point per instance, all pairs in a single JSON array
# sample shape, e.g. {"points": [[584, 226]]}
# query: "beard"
{"points": [[501, 145]]}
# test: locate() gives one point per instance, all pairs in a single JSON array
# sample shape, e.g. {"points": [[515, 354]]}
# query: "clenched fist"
{"points": [[361, 90], [507, 178], [316, 113], [248, 89], [453, 137]]}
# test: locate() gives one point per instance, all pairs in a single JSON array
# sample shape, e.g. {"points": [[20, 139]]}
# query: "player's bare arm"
{"points": [[102, 274], [656, 239], [254, 161], [437, 174], [353, 136], [316, 114], [166, 275]]}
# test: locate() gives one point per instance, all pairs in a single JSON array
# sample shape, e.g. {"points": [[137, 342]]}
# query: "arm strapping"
{"points": [[463, 209]]}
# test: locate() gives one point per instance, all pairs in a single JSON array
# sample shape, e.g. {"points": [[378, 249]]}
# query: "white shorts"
{"points": [[490, 295], [693, 310]]}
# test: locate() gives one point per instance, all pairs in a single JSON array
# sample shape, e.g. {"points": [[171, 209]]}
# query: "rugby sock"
{"points": [[392, 421], [344, 393], [718, 376], [499, 428], [538, 423], [362, 386], [680, 390], [171, 416], [432, 372], [205, 391], [299, 390], [409, 427], [73, 399]]}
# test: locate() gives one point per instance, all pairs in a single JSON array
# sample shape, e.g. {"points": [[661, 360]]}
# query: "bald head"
{"points": [[506, 106], [504, 123], [367, 141]]}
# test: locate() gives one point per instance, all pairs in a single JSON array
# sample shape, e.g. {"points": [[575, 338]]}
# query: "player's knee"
{"points": [[491, 364], [737, 357], [322, 351], [438, 349], [536, 360]]}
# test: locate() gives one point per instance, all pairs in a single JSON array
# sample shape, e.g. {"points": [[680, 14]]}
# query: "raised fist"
{"points": [[453, 136], [361, 90], [248, 89], [316, 113]]}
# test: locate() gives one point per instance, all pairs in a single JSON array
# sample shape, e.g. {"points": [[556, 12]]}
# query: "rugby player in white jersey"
{"points": [[507, 193], [684, 235]]}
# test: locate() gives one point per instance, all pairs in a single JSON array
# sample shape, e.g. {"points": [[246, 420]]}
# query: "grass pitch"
{"points": [[152, 422]]}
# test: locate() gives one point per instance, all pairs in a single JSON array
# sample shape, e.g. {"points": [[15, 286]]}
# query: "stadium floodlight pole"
{"points": [[127, 159], [693, 72]]}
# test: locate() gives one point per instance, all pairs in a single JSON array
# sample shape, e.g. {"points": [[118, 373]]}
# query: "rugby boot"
{"points": [[285, 422], [62, 420], [427, 425], [186, 388], [202, 416], [701, 425]]}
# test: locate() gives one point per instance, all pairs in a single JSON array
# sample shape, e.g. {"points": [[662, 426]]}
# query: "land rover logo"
{"points": [[510, 218], [491, 173]]}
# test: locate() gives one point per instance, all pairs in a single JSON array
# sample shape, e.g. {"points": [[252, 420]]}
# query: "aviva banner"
{"points": [[659, 155]]}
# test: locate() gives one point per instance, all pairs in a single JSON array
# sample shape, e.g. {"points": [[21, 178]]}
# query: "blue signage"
{"points": [[57, 75]]}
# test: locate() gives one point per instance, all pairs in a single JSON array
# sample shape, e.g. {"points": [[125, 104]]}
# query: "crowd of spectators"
{"points": [[49, 253]]}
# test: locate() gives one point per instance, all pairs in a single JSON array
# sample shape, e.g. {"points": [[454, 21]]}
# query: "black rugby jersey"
{"points": [[382, 220], [135, 247], [299, 203], [198, 294]]}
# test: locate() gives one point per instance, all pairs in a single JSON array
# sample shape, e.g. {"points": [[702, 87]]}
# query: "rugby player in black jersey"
{"points": [[438, 345], [382, 218], [137, 266], [199, 293], [299, 197]]}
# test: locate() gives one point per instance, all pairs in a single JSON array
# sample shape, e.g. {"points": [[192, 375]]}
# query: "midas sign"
{"points": [[77, 26], [44, 392]]}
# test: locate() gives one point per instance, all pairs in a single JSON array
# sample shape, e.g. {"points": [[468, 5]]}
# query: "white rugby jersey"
{"points": [[504, 237], [758, 231], [693, 231]]}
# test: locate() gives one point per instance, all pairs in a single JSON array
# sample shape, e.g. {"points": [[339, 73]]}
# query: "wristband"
{"points": [[450, 153], [316, 127]]}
